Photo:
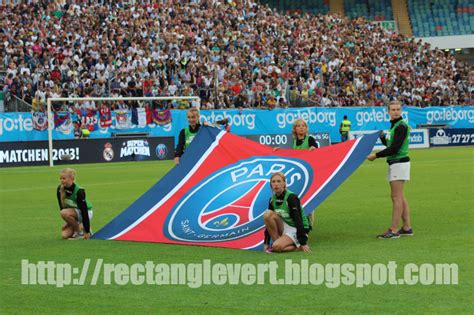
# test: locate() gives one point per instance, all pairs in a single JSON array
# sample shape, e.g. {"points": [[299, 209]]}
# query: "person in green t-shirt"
{"points": [[398, 170], [75, 209], [187, 134], [285, 221], [303, 141], [301, 138]]}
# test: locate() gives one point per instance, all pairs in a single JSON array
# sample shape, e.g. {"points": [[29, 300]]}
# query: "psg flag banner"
{"points": [[217, 194]]}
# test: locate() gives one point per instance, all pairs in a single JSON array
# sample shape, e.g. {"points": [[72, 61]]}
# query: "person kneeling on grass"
{"points": [[74, 207], [285, 221]]}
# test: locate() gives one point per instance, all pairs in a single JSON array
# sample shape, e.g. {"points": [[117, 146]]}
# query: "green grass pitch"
{"points": [[440, 194]]}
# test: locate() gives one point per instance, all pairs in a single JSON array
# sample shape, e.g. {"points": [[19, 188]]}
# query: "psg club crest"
{"points": [[161, 151], [209, 213]]}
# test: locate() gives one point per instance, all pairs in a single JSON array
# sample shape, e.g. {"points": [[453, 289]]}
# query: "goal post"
{"points": [[51, 100]]}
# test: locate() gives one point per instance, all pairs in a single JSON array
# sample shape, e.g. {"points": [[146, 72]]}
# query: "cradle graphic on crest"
{"points": [[216, 196]]}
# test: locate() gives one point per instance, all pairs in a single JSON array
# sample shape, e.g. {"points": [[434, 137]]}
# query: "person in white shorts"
{"points": [[285, 221], [398, 161]]}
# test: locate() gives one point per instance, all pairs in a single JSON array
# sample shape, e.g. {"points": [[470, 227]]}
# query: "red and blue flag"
{"points": [[63, 122], [218, 193]]}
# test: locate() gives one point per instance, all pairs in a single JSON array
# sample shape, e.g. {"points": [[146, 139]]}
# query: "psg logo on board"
{"points": [[161, 151]]}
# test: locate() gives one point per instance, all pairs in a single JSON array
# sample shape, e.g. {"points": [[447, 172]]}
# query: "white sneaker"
{"points": [[81, 233], [75, 236]]}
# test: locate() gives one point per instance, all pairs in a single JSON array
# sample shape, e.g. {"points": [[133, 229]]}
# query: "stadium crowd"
{"points": [[231, 54]]}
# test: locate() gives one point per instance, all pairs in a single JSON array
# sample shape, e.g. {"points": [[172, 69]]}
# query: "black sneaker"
{"points": [[403, 232], [388, 234]]}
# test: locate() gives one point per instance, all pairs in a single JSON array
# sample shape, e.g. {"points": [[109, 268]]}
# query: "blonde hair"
{"points": [[195, 111], [293, 129], [278, 174], [71, 173], [394, 102]]}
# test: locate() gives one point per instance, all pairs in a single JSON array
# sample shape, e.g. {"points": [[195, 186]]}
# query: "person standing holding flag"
{"points": [[301, 138], [398, 170], [344, 129], [303, 141], [187, 134]]}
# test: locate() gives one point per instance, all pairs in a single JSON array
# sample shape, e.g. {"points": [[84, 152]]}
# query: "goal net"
{"points": [[101, 117]]}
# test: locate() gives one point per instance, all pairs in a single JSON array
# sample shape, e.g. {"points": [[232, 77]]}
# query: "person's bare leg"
{"points": [[406, 215], [284, 244], [273, 223], [67, 231], [396, 188], [69, 215], [290, 248]]}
